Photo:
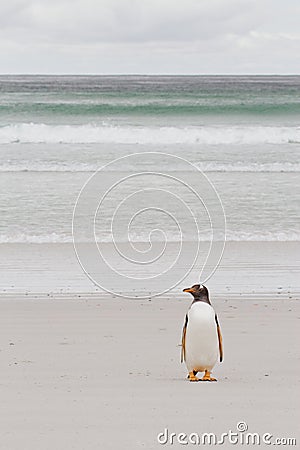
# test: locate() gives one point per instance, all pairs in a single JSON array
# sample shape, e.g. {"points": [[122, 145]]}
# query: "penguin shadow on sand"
{"points": [[201, 343]]}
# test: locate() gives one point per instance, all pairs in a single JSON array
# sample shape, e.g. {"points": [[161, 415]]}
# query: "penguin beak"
{"points": [[188, 290]]}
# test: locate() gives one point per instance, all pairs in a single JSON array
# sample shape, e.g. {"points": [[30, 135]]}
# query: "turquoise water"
{"points": [[60, 98], [243, 132]]}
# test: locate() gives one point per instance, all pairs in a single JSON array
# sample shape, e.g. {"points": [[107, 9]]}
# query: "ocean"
{"points": [[242, 132]]}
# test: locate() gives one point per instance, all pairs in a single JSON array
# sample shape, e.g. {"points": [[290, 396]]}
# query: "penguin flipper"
{"points": [[183, 339], [220, 338]]}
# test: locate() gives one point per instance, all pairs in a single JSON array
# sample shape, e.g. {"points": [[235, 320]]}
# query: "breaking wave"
{"points": [[53, 238], [104, 133], [29, 166]]}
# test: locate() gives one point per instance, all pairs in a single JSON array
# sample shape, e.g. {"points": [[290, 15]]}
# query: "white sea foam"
{"points": [[23, 238], [104, 133], [30, 166], [251, 167], [52, 238]]}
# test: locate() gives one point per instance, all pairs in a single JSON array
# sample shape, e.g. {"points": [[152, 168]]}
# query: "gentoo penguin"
{"points": [[201, 335]]}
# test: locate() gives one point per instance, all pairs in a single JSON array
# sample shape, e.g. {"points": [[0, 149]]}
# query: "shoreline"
{"points": [[247, 268]]}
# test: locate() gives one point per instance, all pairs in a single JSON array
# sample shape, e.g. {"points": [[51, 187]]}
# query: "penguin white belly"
{"points": [[201, 341]]}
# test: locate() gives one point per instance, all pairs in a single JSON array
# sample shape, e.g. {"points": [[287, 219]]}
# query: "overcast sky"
{"points": [[150, 36]]}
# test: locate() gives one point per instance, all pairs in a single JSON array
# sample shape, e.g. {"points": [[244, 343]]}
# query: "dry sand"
{"points": [[88, 371]]}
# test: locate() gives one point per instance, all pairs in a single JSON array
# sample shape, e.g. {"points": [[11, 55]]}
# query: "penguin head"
{"points": [[198, 291]]}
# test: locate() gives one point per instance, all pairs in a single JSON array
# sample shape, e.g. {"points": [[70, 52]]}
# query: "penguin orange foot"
{"points": [[192, 376], [207, 377], [194, 372]]}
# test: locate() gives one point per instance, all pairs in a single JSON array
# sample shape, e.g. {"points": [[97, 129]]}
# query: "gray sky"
{"points": [[150, 36]]}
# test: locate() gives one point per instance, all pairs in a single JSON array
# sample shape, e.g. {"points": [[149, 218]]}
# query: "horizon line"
{"points": [[148, 74]]}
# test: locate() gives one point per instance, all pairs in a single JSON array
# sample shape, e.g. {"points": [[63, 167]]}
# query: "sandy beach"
{"points": [[83, 370]]}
